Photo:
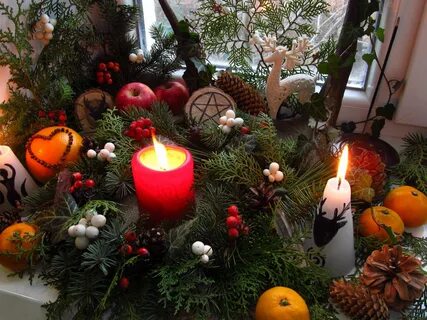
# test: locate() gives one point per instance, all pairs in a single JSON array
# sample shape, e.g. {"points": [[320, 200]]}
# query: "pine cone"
{"points": [[357, 302], [155, 240], [397, 276], [369, 160], [262, 196], [8, 218], [247, 98]]}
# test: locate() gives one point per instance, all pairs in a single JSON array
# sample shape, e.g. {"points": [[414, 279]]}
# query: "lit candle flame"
{"points": [[161, 154], [342, 167]]}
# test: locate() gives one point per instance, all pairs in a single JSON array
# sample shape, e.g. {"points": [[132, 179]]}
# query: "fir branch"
{"points": [[234, 166], [98, 255], [413, 166]]}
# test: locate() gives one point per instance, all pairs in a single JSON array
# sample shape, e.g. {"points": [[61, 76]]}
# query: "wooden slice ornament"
{"points": [[208, 104], [90, 106]]}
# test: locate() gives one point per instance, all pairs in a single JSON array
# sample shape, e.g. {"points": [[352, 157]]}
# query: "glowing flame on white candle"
{"points": [[161, 154], [342, 167]]}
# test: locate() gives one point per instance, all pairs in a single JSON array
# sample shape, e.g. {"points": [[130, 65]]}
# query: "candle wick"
{"points": [[339, 182]]}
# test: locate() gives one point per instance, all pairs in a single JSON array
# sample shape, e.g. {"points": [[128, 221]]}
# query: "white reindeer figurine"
{"points": [[278, 90]]}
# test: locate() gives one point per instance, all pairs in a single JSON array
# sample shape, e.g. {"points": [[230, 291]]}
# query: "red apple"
{"points": [[135, 94], [174, 94]]}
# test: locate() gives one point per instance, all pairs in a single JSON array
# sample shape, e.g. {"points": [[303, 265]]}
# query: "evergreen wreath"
{"points": [[109, 277]]}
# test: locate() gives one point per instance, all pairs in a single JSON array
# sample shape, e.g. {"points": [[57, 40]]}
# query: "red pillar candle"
{"points": [[163, 177]]}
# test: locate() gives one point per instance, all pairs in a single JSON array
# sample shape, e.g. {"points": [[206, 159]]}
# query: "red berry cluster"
{"points": [[79, 183], [141, 128], [55, 115], [124, 283], [131, 246], [103, 73], [235, 223], [245, 130]]}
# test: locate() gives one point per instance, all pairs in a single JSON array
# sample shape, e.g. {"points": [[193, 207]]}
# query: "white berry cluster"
{"points": [[44, 28], [202, 250], [273, 173], [229, 121], [137, 57], [87, 229], [106, 154]]}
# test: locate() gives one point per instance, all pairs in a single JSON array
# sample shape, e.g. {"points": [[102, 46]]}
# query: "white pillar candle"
{"points": [[15, 181], [333, 224]]}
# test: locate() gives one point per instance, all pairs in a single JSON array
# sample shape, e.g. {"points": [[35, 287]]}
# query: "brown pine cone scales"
{"points": [[247, 98], [357, 301], [395, 275]]}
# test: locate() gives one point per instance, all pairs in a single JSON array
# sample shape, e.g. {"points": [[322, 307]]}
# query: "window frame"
{"points": [[356, 101]]}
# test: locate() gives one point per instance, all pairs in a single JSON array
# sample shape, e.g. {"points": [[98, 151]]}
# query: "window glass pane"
{"points": [[327, 25]]}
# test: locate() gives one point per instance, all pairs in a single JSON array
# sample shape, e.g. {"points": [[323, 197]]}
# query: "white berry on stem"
{"points": [[80, 230], [110, 146], [223, 120], [133, 57], [279, 176], [98, 221], [198, 248], [230, 114], [204, 258], [230, 122], [91, 153], [226, 129], [274, 167], [208, 250], [83, 221], [266, 172], [238, 122], [92, 232], [72, 231], [44, 18], [48, 27], [81, 243], [104, 153]]}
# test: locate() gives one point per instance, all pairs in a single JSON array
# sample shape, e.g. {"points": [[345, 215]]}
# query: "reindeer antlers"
{"points": [[292, 57]]}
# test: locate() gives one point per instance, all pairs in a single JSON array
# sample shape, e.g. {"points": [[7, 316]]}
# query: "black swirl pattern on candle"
{"points": [[324, 229], [12, 195], [316, 257]]}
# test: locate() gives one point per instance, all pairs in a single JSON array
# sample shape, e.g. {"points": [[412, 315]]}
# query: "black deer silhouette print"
{"points": [[325, 229], [12, 196]]}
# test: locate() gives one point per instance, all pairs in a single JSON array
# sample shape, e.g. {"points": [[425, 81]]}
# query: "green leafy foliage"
{"points": [[229, 26], [412, 169]]}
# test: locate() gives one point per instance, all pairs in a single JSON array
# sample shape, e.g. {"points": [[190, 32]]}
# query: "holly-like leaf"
{"points": [[380, 34], [369, 57], [387, 111], [377, 126]]}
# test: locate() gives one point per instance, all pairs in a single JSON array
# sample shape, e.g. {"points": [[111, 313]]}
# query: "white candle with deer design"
{"points": [[15, 181], [333, 223]]}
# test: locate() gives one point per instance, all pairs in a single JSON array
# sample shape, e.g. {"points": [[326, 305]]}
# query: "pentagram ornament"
{"points": [[208, 104]]}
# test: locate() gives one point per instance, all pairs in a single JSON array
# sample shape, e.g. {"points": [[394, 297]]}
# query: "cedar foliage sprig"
{"points": [[228, 26]]}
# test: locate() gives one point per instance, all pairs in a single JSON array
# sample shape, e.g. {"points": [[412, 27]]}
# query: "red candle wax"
{"points": [[163, 190]]}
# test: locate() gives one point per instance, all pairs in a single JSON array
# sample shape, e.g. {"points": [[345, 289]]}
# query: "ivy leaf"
{"points": [[380, 34], [377, 126], [387, 111], [368, 58], [323, 67], [348, 127]]}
